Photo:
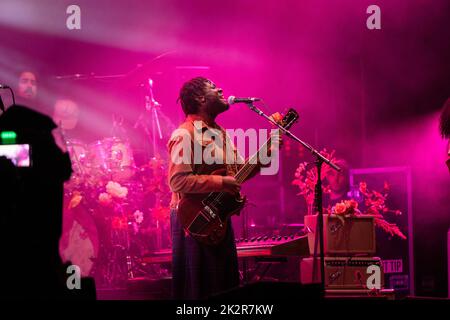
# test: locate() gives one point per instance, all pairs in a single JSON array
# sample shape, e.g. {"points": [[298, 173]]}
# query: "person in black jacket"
{"points": [[31, 200]]}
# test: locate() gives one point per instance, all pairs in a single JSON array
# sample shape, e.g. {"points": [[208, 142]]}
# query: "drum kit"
{"points": [[116, 207], [116, 212]]}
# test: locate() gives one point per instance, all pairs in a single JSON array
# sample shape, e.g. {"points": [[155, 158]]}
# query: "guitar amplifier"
{"points": [[356, 235], [341, 272]]}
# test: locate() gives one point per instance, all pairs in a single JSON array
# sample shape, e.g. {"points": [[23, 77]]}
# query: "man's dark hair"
{"points": [[190, 91], [444, 123]]}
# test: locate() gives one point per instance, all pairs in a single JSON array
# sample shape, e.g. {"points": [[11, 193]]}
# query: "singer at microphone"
{"points": [[202, 101], [233, 100]]}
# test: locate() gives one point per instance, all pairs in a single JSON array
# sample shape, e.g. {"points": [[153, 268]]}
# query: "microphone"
{"points": [[4, 86], [233, 100]]}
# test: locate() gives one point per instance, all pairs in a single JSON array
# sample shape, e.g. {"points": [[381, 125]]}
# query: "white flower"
{"points": [[116, 190]]}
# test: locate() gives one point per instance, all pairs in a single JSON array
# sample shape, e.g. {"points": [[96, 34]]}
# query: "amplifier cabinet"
{"points": [[356, 235], [341, 272]]}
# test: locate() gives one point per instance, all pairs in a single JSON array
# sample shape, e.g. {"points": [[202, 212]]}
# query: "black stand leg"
{"points": [[319, 208]]}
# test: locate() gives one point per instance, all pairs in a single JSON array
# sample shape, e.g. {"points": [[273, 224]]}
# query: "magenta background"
{"points": [[373, 95]]}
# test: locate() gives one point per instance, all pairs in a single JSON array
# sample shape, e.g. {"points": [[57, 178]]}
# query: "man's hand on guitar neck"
{"points": [[230, 185], [276, 141]]}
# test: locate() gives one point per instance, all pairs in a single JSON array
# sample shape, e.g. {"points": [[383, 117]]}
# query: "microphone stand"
{"points": [[152, 106], [245, 236], [320, 159]]}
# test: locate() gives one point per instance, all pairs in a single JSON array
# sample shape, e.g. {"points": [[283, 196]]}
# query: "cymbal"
{"points": [[143, 71], [168, 63]]}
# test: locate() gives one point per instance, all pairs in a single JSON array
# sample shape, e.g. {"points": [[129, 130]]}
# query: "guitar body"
{"points": [[205, 218]]}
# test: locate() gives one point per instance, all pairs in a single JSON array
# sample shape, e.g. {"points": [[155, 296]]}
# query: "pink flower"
{"points": [[340, 208], [353, 204]]}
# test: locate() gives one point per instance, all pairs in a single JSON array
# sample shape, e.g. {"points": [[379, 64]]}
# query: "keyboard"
{"points": [[262, 246]]}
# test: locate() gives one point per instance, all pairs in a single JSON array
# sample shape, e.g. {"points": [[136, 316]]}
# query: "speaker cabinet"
{"points": [[354, 235], [341, 272]]}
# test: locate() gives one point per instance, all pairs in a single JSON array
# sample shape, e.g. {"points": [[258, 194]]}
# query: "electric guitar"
{"points": [[205, 216]]}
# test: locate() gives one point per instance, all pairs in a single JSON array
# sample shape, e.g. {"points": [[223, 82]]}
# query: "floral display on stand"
{"points": [[374, 202]]}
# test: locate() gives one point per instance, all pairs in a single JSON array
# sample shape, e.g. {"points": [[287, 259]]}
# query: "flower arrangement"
{"points": [[306, 178], [374, 201], [114, 196], [346, 208]]}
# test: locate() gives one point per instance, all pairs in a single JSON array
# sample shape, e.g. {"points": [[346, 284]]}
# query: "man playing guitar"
{"points": [[200, 270]]}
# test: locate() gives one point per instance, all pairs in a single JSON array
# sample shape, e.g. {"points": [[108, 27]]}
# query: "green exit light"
{"points": [[8, 137]]}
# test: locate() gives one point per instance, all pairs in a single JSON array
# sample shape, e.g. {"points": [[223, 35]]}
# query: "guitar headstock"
{"points": [[287, 120]]}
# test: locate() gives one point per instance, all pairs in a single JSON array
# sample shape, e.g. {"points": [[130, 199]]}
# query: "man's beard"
{"points": [[29, 94], [218, 106]]}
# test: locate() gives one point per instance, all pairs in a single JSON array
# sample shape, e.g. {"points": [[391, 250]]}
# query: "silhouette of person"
{"points": [[31, 216]]}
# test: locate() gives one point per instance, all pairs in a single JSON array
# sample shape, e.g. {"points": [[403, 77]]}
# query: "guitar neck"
{"points": [[251, 164]]}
